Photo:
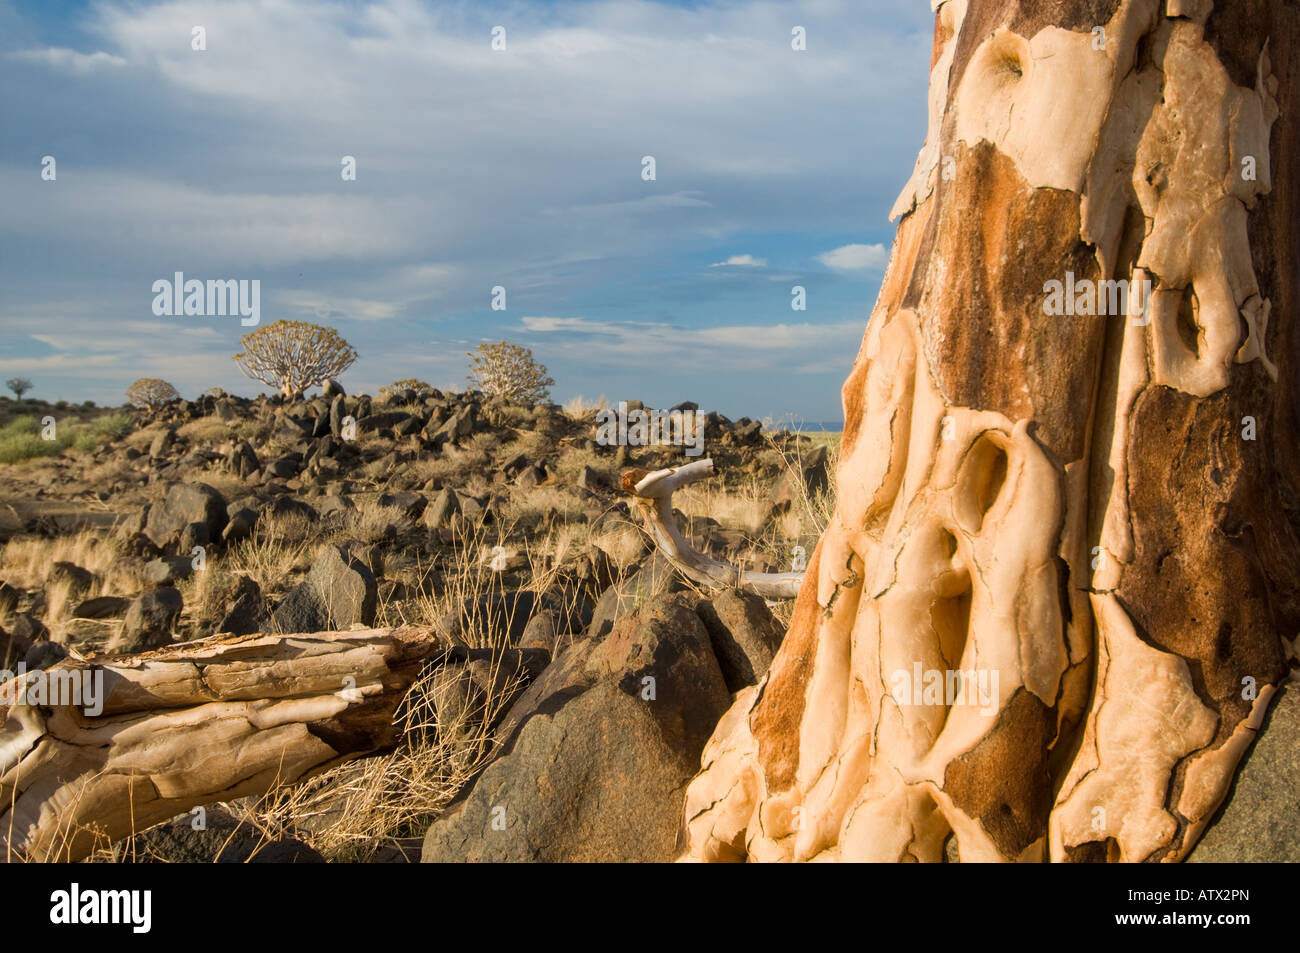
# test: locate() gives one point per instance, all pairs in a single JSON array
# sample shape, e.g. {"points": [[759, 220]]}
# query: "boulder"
{"points": [[149, 622], [285, 506], [809, 476], [240, 525], [1260, 821], [240, 607], [243, 460], [444, 511], [102, 607], [339, 592], [598, 751], [77, 580], [655, 578], [166, 570], [13, 649], [186, 503], [744, 633], [409, 505]]}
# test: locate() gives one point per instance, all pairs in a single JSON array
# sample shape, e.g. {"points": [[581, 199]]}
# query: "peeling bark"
{"points": [[1096, 513]]}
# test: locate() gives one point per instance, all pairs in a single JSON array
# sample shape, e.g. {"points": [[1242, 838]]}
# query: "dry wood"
{"points": [[188, 725], [653, 492]]}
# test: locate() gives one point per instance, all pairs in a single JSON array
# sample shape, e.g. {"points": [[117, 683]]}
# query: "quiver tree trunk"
{"points": [[1090, 514]]}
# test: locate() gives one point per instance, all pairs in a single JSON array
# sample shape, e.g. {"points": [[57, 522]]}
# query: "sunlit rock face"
{"points": [[1059, 590]]}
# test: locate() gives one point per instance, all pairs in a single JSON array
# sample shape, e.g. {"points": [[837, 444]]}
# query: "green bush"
{"points": [[20, 438], [113, 426]]}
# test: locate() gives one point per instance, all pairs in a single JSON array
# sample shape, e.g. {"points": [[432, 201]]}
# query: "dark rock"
{"points": [[243, 460], [744, 634], [339, 592], [373, 423], [13, 649], [186, 503], [140, 545], [589, 479], [285, 467], [539, 633], [149, 622], [810, 477], [444, 511], [102, 607], [1260, 820], [44, 654], [24, 625], [193, 537], [288, 506], [77, 580], [214, 836], [242, 608], [167, 570], [655, 578], [531, 476], [410, 505], [240, 526], [335, 504], [162, 443], [598, 753]]}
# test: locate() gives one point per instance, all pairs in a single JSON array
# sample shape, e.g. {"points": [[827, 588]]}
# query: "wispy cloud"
{"points": [[741, 261], [855, 257], [67, 60]]}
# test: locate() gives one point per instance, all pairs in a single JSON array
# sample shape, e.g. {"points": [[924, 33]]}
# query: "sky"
{"points": [[476, 168]]}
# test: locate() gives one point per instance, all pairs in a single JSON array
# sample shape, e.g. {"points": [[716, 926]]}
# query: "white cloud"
{"points": [[741, 261], [71, 61], [777, 348], [855, 257]]}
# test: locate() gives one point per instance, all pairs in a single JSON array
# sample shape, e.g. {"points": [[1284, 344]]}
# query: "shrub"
{"points": [[21, 439], [112, 426], [407, 383], [509, 371], [294, 355]]}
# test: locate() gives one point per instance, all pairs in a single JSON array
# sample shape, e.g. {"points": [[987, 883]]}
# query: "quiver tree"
{"points": [[294, 355], [151, 394], [510, 371], [19, 385], [1090, 515]]}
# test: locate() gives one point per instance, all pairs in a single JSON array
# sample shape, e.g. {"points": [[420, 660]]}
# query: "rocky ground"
{"points": [[578, 661]]}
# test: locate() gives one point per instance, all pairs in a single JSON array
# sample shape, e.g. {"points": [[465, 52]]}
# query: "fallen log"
{"points": [[150, 736], [653, 493]]}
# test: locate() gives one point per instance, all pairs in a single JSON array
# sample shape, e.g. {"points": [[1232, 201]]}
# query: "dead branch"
{"points": [[185, 726], [653, 492]]}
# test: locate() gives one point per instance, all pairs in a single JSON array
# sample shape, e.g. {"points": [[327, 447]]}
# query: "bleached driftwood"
{"points": [[653, 492], [189, 725]]}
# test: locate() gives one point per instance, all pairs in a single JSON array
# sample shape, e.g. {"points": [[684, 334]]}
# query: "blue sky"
{"points": [[475, 168]]}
